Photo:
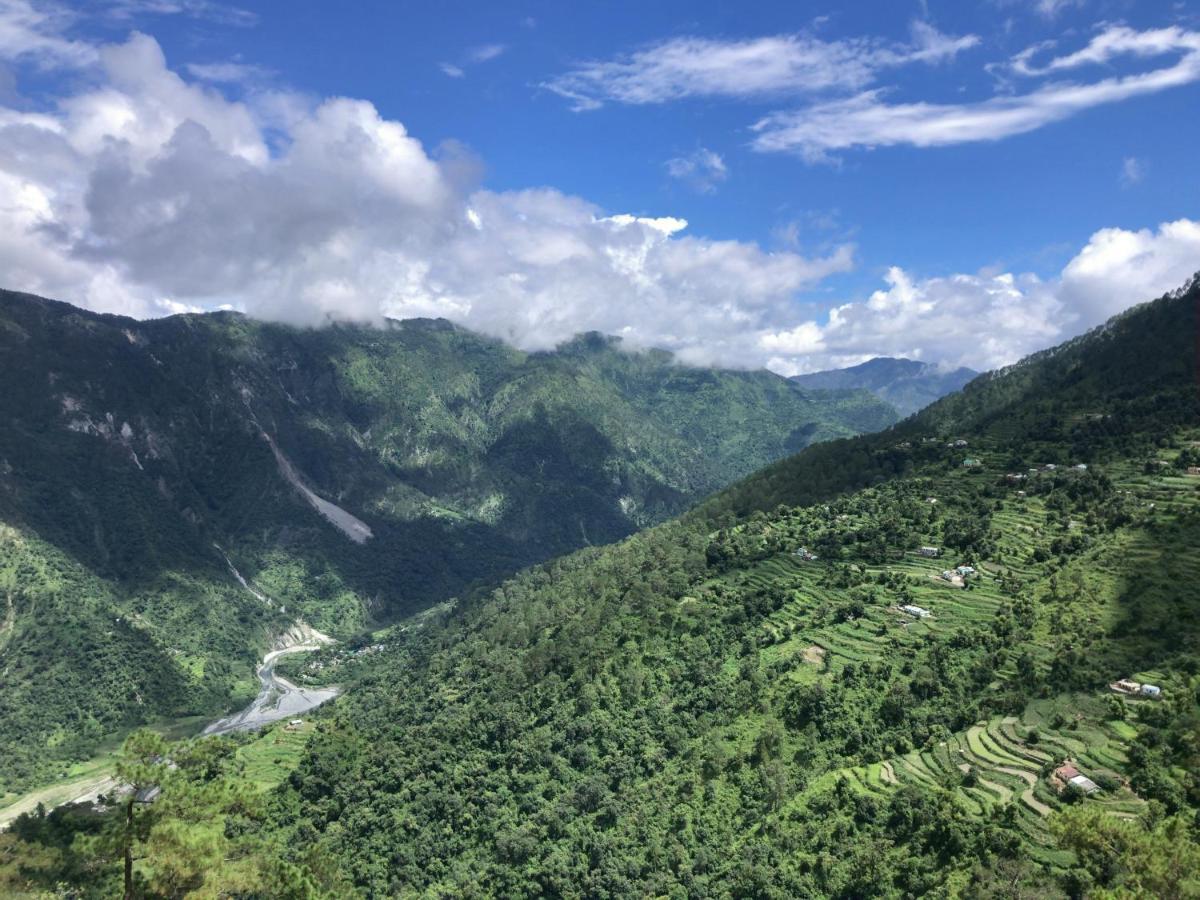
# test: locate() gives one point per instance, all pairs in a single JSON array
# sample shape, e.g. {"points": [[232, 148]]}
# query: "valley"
{"points": [[909, 637]]}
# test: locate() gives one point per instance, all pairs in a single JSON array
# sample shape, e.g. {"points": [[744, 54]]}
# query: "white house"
{"points": [[918, 611]]}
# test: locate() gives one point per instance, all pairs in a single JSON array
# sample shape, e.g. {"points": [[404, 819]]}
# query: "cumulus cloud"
{"points": [[988, 320], [754, 67], [703, 170], [139, 192], [868, 120]]}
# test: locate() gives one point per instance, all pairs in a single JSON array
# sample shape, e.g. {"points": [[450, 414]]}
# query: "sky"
{"points": [[791, 185]]}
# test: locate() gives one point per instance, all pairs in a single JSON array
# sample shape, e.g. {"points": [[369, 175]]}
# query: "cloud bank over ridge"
{"points": [[139, 191]]}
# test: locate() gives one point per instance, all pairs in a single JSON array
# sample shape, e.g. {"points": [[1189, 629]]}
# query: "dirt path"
{"points": [[85, 789]]}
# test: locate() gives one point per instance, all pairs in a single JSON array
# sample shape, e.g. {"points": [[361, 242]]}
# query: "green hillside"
{"points": [[700, 711], [140, 461], [778, 694]]}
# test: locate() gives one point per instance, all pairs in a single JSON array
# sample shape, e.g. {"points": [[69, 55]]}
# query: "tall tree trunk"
{"points": [[129, 848]]}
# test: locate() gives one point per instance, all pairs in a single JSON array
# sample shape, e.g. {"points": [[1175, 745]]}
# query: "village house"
{"points": [[1016, 476], [919, 611], [949, 574], [1153, 691], [971, 463], [1125, 686], [805, 554], [1049, 467], [1021, 494], [1193, 470], [930, 551], [964, 571], [1067, 774], [1080, 467]]}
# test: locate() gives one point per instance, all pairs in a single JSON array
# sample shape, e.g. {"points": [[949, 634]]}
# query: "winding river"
{"points": [[277, 697]]}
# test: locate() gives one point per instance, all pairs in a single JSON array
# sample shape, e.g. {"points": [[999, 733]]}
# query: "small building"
{"points": [[1151, 690], [805, 554], [931, 499], [919, 611], [971, 463], [948, 574], [1125, 686], [1080, 467], [1049, 467], [1067, 775], [930, 551], [147, 795], [1015, 476], [960, 443], [964, 571], [1021, 494], [1193, 470]]}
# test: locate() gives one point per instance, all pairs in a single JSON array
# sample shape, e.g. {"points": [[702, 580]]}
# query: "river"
{"points": [[277, 697]]}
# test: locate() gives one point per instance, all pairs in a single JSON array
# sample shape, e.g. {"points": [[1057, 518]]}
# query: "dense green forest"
{"points": [[142, 463], [780, 693]]}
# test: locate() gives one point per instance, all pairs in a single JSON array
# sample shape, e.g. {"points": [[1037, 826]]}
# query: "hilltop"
{"points": [[906, 384]]}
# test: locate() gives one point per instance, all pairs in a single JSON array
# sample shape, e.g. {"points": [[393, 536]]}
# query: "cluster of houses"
{"points": [[1136, 689], [957, 572], [1067, 775], [1016, 477]]}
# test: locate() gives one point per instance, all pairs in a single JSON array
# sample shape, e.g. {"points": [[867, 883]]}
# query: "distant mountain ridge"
{"points": [[907, 384]]}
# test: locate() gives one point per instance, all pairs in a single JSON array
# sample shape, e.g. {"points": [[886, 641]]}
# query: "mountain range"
{"points": [[905, 384], [176, 492], [954, 657]]}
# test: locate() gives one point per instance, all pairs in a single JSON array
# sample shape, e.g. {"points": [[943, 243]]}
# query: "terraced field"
{"points": [[1006, 761]]}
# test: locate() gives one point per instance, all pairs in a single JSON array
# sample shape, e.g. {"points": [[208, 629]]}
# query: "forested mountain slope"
{"points": [[350, 474], [906, 384], [779, 695]]}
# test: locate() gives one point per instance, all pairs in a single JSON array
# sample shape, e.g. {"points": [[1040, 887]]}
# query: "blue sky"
{"points": [[1026, 164]]}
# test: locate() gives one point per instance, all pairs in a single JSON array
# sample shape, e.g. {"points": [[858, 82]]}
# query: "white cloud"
{"points": [[703, 170], [486, 52], [140, 193], [867, 120], [228, 72], [1133, 170], [221, 13], [35, 33], [988, 320], [753, 67], [473, 57]]}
